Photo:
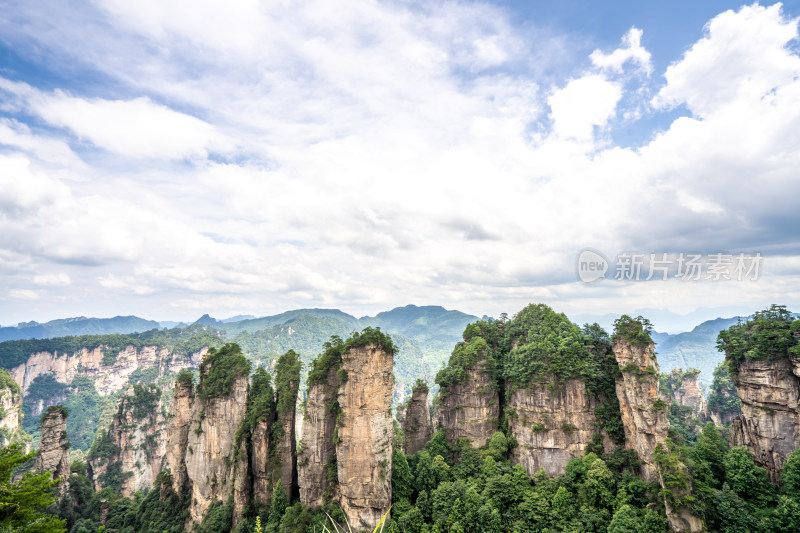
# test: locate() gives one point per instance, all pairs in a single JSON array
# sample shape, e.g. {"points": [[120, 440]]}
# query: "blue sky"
{"points": [[172, 159]]}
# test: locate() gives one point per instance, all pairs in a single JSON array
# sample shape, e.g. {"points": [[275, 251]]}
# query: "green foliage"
{"points": [[769, 335], [13, 353], [186, 379], [748, 480], [371, 336], [732, 514], [723, 398], [43, 388], [84, 405], [790, 475], [144, 401], [634, 330], [465, 355], [55, 410], [22, 502], [8, 383], [103, 447], [420, 386], [331, 357], [674, 474], [180, 341], [218, 518], [402, 478], [542, 343], [220, 369], [261, 402], [287, 381], [671, 383]]}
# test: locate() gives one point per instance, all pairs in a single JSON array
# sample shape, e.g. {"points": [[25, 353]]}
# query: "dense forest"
{"points": [[452, 487]]}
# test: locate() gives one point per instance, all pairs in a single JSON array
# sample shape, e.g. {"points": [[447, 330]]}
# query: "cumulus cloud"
{"points": [[583, 104], [137, 128], [363, 154], [744, 57], [631, 51]]}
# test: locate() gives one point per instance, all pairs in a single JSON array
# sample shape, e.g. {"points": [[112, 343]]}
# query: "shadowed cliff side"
{"points": [[764, 358]]}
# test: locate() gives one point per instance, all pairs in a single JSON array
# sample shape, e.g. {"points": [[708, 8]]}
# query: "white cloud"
{"points": [[137, 128], [582, 104], [133, 128], [59, 279], [379, 155], [632, 51], [17, 135], [23, 294], [743, 57]]}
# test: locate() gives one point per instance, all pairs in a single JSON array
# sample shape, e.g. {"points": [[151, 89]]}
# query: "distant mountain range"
{"points": [[693, 349], [76, 326], [426, 334]]}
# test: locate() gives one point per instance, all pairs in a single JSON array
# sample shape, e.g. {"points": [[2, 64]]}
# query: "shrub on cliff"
{"points": [[186, 378], [335, 347], [771, 334], [287, 381], [220, 369], [634, 330]]}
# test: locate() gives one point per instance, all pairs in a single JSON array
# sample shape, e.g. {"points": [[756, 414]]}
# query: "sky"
{"points": [[169, 159]]}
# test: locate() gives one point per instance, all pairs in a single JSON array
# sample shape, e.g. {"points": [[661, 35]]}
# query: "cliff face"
{"points": [[552, 425], [53, 453], [417, 420], [684, 388], [212, 465], [137, 435], [364, 445], [260, 464], [691, 394], [283, 440], [470, 408], [107, 378], [644, 422], [317, 450], [10, 413], [178, 427], [646, 425], [770, 421]]}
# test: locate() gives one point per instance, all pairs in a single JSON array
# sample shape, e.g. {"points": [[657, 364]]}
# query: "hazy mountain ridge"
{"points": [[694, 349], [64, 327]]}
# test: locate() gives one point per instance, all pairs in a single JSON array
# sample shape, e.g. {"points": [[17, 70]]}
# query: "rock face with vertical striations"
{"points": [[684, 389], [109, 376], [212, 456], [53, 453], [137, 436], [259, 462], [552, 423], [180, 418], [643, 419], [417, 420], [364, 444], [317, 453], [282, 434], [470, 407], [11, 431], [769, 425]]}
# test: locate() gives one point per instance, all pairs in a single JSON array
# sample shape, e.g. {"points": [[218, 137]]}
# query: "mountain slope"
{"points": [[76, 326], [693, 349]]}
